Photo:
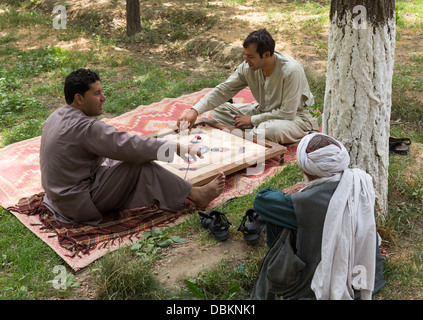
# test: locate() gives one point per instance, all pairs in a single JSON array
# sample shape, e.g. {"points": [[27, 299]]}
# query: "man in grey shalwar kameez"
{"points": [[280, 87], [82, 182]]}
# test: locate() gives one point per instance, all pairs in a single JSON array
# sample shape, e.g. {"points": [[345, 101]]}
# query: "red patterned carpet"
{"points": [[20, 171]]}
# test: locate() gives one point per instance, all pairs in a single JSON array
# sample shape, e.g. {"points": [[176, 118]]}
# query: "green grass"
{"points": [[409, 14], [407, 86], [121, 277], [148, 83], [174, 24], [21, 17], [402, 266], [26, 262], [31, 84]]}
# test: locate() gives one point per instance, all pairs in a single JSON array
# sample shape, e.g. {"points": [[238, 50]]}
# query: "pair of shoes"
{"points": [[216, 223], [253, 230], [399, 145]]}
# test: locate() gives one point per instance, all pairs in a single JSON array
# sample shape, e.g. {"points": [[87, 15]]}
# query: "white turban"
{"points": [[349, 231], [323, 162]]}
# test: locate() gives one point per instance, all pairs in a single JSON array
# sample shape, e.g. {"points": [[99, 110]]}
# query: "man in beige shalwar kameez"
{"points": [[279, 85], [89, 169]]}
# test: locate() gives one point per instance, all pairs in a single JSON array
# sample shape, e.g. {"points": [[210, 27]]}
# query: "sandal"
{"points": [[399, 149], [399, 145], [253, 230], [216, 223], [393, 140]]}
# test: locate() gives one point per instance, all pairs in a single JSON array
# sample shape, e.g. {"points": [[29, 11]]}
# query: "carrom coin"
{"points": [[219, 149], [197, 139], [204, 149]]}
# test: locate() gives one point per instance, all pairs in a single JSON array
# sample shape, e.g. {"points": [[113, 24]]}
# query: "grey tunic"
{"points": [[82, 182], [282, 99]]}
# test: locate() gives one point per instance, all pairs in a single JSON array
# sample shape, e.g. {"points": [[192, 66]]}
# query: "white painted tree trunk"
{"points": [[357, 104]]}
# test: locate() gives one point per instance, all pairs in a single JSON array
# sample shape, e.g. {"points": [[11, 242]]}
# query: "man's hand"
{"points": [[185, 151], [187, 120], [242, 121]]}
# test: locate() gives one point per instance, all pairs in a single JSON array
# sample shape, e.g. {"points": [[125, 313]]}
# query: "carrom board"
{"points": [[224, 149]]}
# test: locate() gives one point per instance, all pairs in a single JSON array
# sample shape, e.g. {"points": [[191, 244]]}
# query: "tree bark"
{"points": [[133, 20], [357, 104]]}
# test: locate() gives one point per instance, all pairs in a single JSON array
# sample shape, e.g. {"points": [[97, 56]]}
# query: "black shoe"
{"points": [[253, 230], [216, 223], [399, 145]]}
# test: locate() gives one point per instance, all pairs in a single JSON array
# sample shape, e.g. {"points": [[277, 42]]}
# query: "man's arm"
{"points": [[276, 207], [220, 94], [106, 141], [223, 92]]}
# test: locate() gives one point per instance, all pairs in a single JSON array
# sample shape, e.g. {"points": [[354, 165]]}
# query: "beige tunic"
{"points": [[82, 183], [282, 100]]}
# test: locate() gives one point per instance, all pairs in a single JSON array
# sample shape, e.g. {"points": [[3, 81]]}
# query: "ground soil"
{"points": [[189, 258]]}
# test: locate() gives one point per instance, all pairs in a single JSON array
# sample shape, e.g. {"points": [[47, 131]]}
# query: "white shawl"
{"points": [[349, 232]]}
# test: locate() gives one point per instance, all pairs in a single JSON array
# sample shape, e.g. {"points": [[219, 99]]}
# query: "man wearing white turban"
{"points": [[323, 237]]}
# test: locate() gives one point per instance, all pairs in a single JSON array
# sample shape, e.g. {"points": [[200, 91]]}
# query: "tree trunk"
{"points": [[357, 104], [133, 20]]}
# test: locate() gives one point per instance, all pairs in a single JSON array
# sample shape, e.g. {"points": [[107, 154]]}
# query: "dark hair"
{"points": [[79, 81], [263, 40], [320, 141]]}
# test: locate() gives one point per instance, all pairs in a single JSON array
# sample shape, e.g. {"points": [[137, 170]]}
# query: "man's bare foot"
{"points": [[202, 196]]}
